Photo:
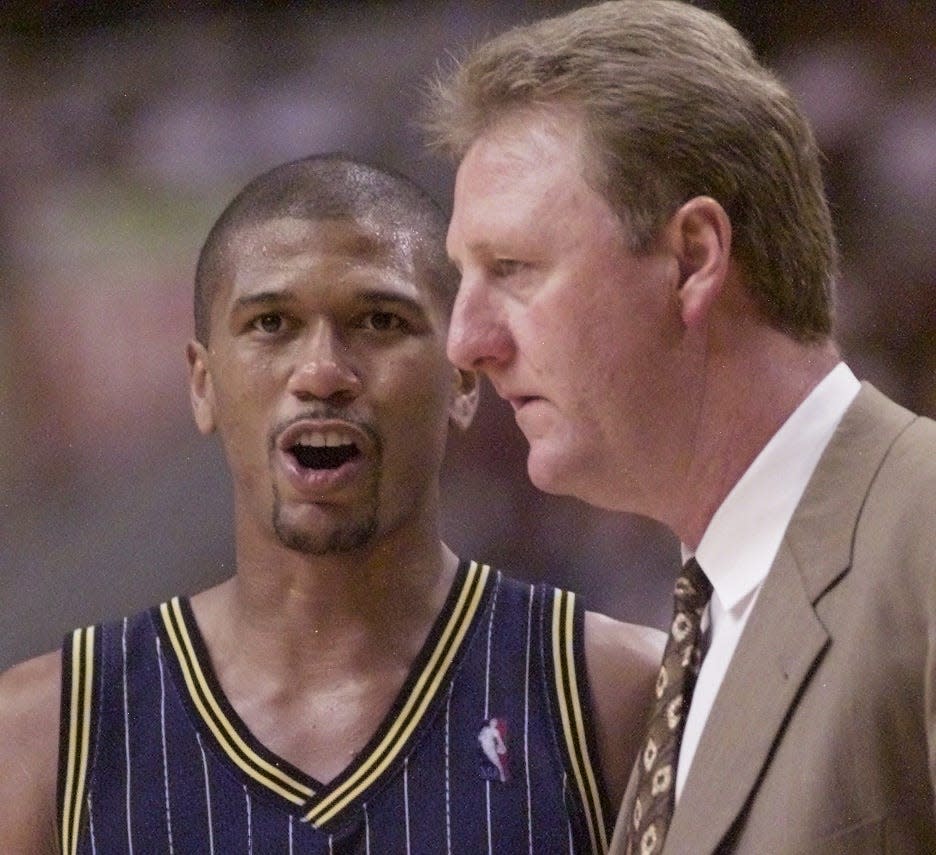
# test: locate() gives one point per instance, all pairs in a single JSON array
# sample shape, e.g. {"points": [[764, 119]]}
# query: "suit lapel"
{"points": [[784, 638]]}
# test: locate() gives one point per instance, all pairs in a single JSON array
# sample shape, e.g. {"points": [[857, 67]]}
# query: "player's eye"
{"points": [[268, 322], [383, 321]]}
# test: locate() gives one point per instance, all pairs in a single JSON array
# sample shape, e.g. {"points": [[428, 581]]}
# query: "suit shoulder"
{"points": [[908, 470], [916, 446]]}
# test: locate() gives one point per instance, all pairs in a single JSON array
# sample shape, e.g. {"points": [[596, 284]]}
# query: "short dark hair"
{"points": [[330, 186], [675, 105]]}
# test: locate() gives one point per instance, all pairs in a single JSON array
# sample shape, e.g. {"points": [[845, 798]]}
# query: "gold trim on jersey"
{"points": [[218, 723], [411, 710], [81, 678], [573, 719], [417, 702]]}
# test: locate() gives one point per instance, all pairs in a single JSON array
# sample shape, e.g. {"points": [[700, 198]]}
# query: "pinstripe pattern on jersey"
{"points": [[224, 732], [569, 701], [154, 756], [433, 676], [125, 710], [526, 721], [78, 680], [204, 760]]}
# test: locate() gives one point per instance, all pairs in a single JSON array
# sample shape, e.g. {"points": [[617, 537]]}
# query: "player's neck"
{"points": [[287, 611], [313, 667]]}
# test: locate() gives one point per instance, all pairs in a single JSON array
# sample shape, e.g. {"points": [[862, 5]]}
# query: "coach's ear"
{"points": [[464, 403], [201, 389], [699, 234]]}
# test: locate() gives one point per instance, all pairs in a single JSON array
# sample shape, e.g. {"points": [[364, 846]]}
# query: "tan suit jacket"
{"points": [[822, 738]]}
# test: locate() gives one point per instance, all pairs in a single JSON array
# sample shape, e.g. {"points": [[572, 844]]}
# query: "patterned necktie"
{"points": [[656, 777]]}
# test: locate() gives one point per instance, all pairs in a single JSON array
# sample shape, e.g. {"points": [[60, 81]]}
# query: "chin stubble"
{"points": [[346, 536]]}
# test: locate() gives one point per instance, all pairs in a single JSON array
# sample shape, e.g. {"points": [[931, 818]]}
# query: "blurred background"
{"points": [[126, 127]]}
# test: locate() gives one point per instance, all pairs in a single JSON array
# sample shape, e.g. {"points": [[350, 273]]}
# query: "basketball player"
{"points": [[354, 687]]}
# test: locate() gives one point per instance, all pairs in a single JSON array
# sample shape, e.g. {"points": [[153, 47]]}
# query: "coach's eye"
{"points": [[504, 267]]}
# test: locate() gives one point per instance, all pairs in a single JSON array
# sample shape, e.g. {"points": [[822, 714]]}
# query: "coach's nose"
{"points": [[479, 337]]}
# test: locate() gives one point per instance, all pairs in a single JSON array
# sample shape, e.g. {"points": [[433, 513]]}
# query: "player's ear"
{"points": [[699, 234], [201, 389], [464, 403]]}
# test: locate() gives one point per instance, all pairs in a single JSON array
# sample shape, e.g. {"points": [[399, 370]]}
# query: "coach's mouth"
{"points": [[518, 402]]}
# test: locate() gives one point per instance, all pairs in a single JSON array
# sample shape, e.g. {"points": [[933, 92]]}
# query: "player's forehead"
{"points": [[364, 238], [334, 256]]}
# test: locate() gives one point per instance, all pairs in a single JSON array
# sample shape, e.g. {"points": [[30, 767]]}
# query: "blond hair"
{"points": [[675, 105]]}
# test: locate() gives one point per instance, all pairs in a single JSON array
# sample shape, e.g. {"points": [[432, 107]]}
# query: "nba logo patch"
{"points": [[492, 742]]}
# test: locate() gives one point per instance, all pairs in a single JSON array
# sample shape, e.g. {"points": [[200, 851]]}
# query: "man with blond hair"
{"points": [[647, 262]]}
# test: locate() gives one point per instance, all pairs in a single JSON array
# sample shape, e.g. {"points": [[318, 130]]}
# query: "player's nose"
{"points": [[323, 368]]}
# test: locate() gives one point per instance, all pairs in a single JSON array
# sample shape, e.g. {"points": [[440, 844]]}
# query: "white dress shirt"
{"points": [[743, 537]]}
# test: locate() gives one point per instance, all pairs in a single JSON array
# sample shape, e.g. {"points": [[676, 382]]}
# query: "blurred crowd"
{"points": [[124, 129]]}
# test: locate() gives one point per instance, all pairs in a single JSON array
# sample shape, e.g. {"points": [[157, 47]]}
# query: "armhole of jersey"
{"points": [[570, 694], [80, 666]]}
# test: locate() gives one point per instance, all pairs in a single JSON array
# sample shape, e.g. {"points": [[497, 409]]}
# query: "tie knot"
{"points": [[693, 588]]}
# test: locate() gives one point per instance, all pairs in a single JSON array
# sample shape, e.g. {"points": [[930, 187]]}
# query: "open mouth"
{"points": [[323, 450]]}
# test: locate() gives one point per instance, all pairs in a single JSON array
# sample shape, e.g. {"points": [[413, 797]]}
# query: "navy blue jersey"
{"points": [[487, 748]]}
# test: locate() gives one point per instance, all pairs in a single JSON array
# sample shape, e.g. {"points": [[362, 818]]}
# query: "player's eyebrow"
{"points": [[265, 298], [379, 296]]}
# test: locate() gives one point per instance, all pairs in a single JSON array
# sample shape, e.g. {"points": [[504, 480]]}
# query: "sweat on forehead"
{"points": [[329, 187], [355, 237]]}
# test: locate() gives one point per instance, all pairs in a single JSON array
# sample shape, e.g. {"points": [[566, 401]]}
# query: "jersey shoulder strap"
{"points": [[563, 621], [81, 663]]}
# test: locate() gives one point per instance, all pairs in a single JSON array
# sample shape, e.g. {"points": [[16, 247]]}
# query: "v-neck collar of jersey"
{"points": [[313, 801]]}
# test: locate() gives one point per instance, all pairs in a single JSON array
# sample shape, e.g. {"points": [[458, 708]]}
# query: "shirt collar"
{"points": [[742, 538]]}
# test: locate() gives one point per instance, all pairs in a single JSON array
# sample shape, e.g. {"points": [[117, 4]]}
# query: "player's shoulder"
{"points": [[29, 731], [29, 693], [617, 645], [622, 660], [29, 710]]}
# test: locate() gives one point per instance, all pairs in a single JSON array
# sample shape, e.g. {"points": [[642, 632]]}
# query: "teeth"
{"points": [[323, 439]]}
